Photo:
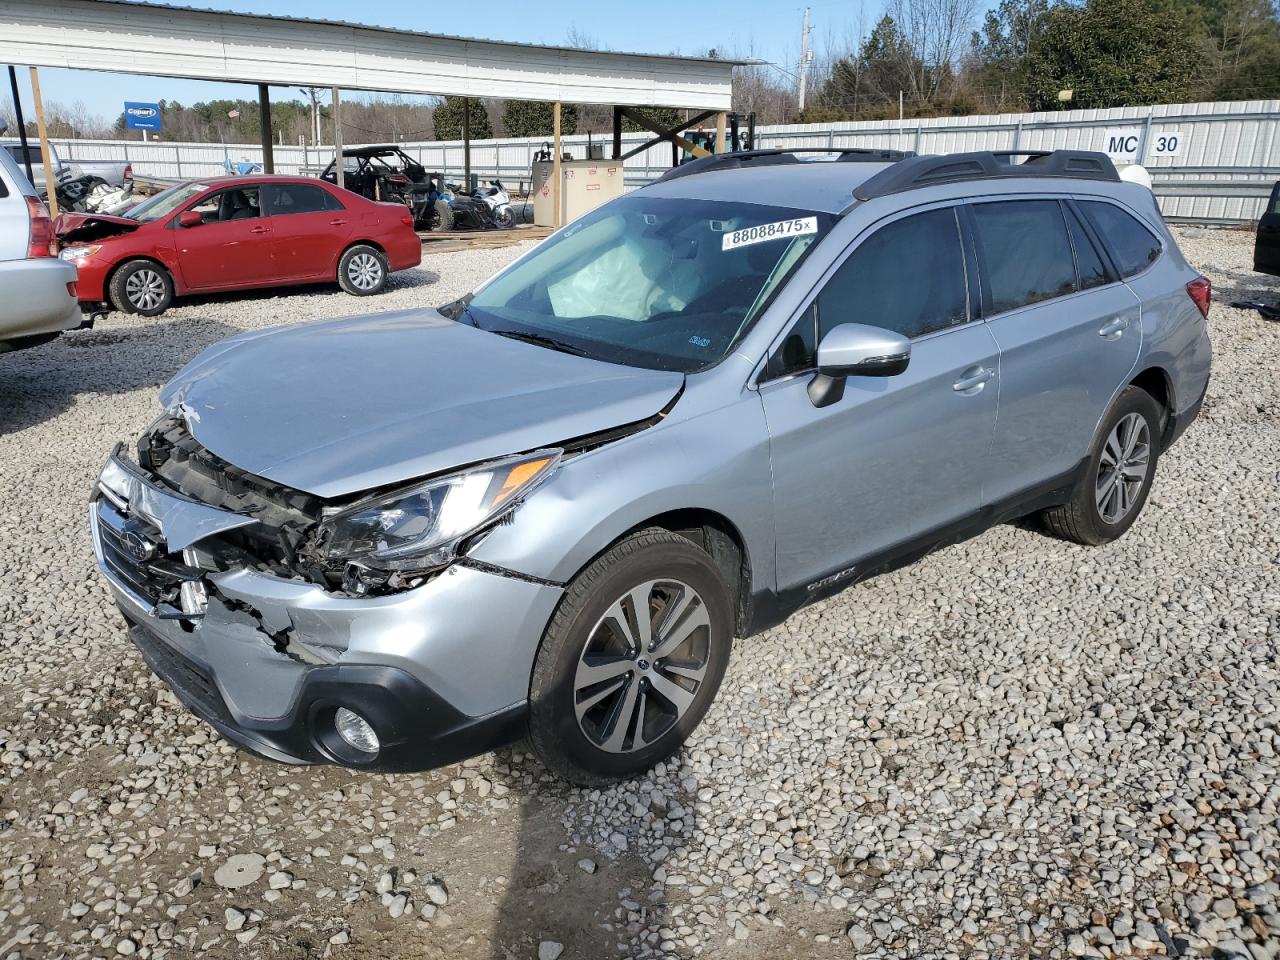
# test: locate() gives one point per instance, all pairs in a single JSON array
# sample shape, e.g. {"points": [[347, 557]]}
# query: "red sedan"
{"points": [[236, 233]]}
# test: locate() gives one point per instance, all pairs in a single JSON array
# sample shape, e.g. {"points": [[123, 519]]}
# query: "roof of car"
{"points": [[820, 185], [371, 151], [248, 179]]}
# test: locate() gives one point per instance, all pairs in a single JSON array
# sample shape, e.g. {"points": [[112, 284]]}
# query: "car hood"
{"points": [[91, 226], [343, 406]]}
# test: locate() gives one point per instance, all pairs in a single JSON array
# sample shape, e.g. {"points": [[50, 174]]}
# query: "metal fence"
{"points": [[1209, 161]]}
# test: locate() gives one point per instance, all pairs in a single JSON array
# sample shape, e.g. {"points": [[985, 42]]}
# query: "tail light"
{"points": [[72, 290], [407, 220], [1201, 291], [128, 172], [44, 243]]}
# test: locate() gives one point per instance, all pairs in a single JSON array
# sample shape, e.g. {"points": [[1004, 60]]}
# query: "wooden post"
{"points": [[339, 166], [466, 145], [556, 186], [720, 121], [264, 129], [50, 171]]}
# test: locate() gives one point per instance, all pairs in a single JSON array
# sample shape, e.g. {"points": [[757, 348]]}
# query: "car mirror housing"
{"points": [[189, 218], [856, 350]]}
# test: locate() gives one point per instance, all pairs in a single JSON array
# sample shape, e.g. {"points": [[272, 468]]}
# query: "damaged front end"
{"points": [[87, 227], [374, 545], [235, 597]]}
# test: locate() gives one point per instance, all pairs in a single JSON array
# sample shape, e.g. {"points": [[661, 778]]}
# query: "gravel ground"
{"points": [[1016, 747]]}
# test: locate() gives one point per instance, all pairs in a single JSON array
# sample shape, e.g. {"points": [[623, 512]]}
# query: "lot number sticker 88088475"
{"points": [[769, 231]]}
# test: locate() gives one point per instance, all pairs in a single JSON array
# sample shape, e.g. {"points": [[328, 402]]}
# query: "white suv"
{"points": [[37, 290]]}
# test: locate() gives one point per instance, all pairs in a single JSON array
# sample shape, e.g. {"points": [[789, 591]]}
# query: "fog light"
{"points": [[355, 730]]}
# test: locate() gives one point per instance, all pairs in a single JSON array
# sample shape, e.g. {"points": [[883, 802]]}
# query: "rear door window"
{"points": [[1025, 252], [289, 198], [1133, 246]]}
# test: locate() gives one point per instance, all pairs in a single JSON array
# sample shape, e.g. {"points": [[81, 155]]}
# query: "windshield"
{"points": [[668, 284], [163, 204]]}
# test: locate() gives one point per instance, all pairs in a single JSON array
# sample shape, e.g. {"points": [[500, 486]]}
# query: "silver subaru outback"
{"points": [[546, 510]]}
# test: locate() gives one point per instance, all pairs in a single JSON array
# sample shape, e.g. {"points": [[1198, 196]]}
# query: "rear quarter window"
{"points": [[1133, 246]]}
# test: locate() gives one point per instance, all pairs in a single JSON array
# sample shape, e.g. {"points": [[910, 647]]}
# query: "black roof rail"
{"points": [[926, 171], [765, 158]]}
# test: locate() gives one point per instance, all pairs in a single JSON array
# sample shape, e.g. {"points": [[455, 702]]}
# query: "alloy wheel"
{"points": [[145, 289], [642, 666], [364, 271], [1123, 468]]}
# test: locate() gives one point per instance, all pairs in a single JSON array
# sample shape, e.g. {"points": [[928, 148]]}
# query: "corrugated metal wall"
{"points": [[1228, 157]]}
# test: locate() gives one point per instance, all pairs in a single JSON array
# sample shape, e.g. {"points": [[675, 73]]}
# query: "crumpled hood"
{"points": [[338, 407], [91, 226]]}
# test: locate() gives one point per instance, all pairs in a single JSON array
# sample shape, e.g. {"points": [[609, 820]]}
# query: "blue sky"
{"points": [[763, 29]]}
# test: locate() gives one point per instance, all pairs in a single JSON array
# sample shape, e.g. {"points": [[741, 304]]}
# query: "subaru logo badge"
{"points": [[137, 546]]}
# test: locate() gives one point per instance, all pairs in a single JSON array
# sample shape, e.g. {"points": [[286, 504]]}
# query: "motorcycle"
{"points": [[499, 203], [474, 212]]}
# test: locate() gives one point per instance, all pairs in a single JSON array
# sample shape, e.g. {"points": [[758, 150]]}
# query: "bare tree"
{"points": [[937, 33]]}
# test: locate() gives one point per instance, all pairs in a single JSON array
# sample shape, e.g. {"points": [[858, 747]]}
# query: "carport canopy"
{"points": [[169, 41]]}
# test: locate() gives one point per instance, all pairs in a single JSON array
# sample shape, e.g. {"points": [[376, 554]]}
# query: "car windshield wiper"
{"points": [[542, 340]]}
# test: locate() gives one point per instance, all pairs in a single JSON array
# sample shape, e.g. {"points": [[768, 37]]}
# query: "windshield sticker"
{"points": [[700, 341], [769, 231]]}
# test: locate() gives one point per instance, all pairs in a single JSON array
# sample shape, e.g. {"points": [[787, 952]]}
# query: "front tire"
{"points": [[142, 287], [631, 661], [362, 271], [1118, 477]]}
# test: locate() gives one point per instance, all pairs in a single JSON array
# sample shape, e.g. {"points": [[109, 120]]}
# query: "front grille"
{"points": [[134, 556]]}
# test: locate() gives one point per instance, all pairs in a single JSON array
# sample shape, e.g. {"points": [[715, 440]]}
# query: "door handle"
{"points": [[1114, 329], [259, 229], [338, 222], [973, 379]]}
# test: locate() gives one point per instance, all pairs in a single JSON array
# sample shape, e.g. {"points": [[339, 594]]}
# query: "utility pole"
{"points": [[313, 95], [805, 56]]}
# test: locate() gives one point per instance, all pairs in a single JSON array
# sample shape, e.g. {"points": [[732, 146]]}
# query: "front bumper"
{"points": [[441, 671], [417, 729]]}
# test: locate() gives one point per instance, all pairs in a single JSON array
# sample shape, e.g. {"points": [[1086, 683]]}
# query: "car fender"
{"points": [[717, 461], [147, 243]]}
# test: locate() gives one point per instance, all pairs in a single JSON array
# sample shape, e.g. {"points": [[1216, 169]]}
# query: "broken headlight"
{"points": [[418, 530]]}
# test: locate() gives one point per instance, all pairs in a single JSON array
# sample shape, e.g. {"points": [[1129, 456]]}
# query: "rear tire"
{"points": [[631, 660], [142, 287], [1121, 468], [362, 271], [444, 217]]}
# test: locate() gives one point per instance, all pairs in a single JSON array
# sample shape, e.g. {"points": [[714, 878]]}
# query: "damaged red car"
{"points": [[236, 233]]}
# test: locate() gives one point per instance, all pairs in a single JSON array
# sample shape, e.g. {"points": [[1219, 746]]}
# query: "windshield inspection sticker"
{"points": [[769, 231]]}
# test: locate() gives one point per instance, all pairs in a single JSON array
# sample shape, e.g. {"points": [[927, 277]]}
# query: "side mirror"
{"points": [[856, 350], [189, 218]]}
